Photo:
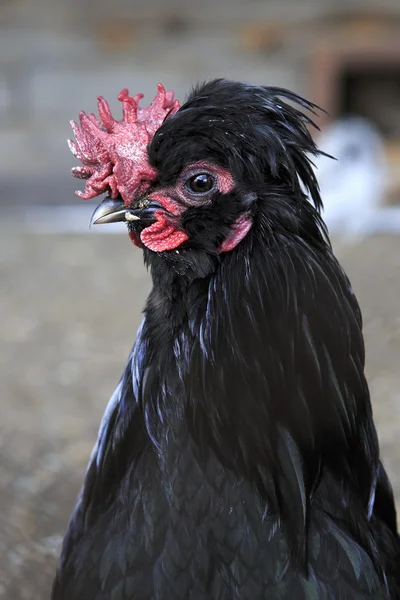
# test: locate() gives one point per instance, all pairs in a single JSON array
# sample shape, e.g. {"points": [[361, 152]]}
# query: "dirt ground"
{"points": [[70, 309]]}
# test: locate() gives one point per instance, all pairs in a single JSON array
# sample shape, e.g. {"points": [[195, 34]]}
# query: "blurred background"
{"points": [[71, 299]]}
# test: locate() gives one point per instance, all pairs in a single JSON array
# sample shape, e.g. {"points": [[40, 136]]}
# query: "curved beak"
{"points": [[115, 211], [112, 211]]}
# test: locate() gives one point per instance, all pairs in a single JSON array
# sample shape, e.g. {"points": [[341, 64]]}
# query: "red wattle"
{"points": [[135, 239], [162, 235]]}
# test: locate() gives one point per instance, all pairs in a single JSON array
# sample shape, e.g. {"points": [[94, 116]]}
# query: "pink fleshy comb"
{"points": [[114, 153]]}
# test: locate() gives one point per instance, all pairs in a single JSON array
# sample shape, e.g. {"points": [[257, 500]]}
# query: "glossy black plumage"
{"points": [[238, 458]]}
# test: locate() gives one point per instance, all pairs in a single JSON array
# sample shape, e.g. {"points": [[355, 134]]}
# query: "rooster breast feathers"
{"points": [[238, 457]]}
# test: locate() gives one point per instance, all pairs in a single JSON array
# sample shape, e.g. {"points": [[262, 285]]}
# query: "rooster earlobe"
{"points": [[238, 232]]}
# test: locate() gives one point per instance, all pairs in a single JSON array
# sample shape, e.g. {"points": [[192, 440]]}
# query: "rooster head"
{"points": [[200, 177]]}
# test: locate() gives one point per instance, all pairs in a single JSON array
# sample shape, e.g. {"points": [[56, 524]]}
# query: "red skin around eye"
{"points": [[225, 181], [166, 202]]}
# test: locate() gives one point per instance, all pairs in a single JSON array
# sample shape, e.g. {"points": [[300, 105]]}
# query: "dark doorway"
{"points": [[373, 93]]}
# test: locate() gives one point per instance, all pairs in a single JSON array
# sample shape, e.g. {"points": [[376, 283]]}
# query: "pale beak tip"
{"points": [[131, 217], [94, 220]]}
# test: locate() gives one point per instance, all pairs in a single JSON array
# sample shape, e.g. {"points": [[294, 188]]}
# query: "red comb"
{"points": [[114, 153]]}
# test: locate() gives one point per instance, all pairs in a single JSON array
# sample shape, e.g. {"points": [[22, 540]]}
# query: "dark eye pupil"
{"points": [[201, 183]]}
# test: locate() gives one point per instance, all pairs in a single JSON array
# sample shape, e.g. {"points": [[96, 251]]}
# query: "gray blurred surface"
{"points": [[70, 308]]}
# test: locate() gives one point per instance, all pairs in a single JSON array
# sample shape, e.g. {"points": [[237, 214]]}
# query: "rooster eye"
{"points": [[200, 183]]}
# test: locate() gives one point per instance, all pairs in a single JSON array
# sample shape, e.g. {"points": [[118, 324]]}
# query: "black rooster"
{"points": [[238, 458]]}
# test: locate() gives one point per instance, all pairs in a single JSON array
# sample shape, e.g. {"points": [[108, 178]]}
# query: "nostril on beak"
{"points": [[147, 204], [143, 211]]}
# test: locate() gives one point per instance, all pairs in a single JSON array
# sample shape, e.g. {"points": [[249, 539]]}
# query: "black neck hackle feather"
{"points": [[253, 358]]}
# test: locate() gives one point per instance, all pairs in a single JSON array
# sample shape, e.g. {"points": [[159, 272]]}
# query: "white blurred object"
{"points": [[353, 187]]}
